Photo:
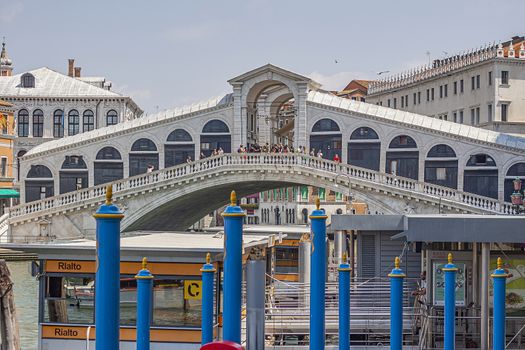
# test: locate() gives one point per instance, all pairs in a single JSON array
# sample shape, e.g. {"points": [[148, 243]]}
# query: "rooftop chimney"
{"points": [[71, 63], [77, 72]]}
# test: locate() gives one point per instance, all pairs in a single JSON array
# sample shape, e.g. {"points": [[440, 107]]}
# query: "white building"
{"points": [[484, 88], [50, 105]]}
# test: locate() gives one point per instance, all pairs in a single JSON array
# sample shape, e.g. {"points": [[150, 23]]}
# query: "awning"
{"points": [[9, 193]]}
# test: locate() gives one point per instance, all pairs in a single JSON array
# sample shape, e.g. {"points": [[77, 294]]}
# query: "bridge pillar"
{"points": [[300, 127], [238, 124]]}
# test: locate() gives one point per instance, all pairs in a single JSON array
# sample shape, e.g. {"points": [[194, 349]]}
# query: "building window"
{"points": [[461, 117], [504, 111], [477, 115], [446, 90], [362, 99], [490, 78], [406, 100], [472, 82], [58, 123], [73, 122], [388, 102], [28, 80], [111, 117], [505, 77], [414, 99], [478, 81], [380, 103], [432, 94], [489, 112], [455, 88], [428, 95], [472, 116], [402, 101], [23, 123], [3, 167], [395, 102], [461, 86], [88, 120], [38, 123], [419, 97], [440, 91], [455, 116]]}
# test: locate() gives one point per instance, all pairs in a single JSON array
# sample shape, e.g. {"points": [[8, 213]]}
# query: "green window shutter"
{"points": [[322, 194], [304, 192]]}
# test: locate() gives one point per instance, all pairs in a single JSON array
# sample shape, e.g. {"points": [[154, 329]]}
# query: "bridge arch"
{"points": [[73, 174], [480, 175], [39, 183], [326, 136], [402, 157], [441, 166], [108, 165], [364, 148], [215, 134], [143, 154], [179, 145]]}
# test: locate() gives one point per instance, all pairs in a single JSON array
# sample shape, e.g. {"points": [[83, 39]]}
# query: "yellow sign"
{"points": [[192, 289]]}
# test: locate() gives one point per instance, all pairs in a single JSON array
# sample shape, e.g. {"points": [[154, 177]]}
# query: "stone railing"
{"points": [[4, 228], [268, 161]]}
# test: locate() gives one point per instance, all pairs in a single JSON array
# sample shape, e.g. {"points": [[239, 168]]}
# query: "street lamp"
{"points": [[516, 198], [350, 197]]}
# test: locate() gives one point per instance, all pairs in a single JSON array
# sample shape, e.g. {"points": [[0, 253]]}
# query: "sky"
{"points": [[166, 54]]}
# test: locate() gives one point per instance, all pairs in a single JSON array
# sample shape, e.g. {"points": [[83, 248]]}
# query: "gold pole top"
{"points": [[233, 199], [396, 262], [450, 258], [318, 203], [344, 258], [144, 263], [500, 263], [208, 258], [109, 195]]}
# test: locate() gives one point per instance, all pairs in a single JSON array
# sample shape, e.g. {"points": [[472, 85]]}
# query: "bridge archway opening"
{"points": [[143, 156], [39, 183], [402, 157], [364, 148], [178, 148], [108, 166], [215, 135], [441, 166], [73, 174], [515, 171], [326, 137], [481, 176]]}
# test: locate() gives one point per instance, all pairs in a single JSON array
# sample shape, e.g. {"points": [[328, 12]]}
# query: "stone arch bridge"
{"points": [[176, 197]]}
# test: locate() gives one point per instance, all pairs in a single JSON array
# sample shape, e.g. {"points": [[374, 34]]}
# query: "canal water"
{"points": [[25, 289]]}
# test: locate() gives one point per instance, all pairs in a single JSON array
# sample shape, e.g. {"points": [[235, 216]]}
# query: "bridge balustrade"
{"points": [[361, 175]]}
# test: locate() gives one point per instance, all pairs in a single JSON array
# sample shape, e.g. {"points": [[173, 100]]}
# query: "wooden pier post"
{"points": [[10, 337]]}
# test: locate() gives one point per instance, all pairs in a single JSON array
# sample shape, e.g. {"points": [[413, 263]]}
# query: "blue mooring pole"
{"points": [[397, 278], [233, 220], [450, 271], [144, 298], [317, 278], [107, 278], [344, 304], [208, 276], [499, 276]]}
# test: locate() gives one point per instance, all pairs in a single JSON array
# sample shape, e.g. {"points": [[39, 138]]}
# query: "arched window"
{"points": [[74, 162], [364, 148], [326, 137], [481, 176], [23, 123], [441, 166], [304, 213], [73, 174], [179, 135], [402, 157], [39, 183], [111, 117], [515, 171], [58, 123], [215, 126], [143, 156], [178, 153], [108, 166], [27, 80], [38, 123], [325, 124], [88, 120], [73, 122], [215, 135]]}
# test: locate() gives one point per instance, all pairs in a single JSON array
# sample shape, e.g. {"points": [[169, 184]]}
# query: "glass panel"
{"points": [[286, 259], [170, 308], [128, 301], [69, 300]]}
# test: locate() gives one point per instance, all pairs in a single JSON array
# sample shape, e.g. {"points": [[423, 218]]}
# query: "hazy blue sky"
{"points": [[170, 53]]}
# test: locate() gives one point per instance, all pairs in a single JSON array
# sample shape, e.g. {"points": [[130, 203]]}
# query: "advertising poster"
{"points": [[515, 294], [438, 279]]}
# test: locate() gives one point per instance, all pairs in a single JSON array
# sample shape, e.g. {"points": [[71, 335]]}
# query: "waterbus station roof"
{"points": [[439, 227], [158, 246]]}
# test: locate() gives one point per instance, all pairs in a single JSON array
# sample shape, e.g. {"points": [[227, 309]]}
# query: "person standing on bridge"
{"points": [[336, 158], [150, 168]]}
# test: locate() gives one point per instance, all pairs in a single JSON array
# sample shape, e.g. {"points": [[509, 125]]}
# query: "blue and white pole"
{"points": [[318, 278], [397, 278], [344, 304], [233, 220], [208, 276], [450, 271], [499, 276], [107, 278], [144, 297]]}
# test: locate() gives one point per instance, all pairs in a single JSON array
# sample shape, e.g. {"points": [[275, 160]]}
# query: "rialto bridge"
{"points": [[394, 160]]}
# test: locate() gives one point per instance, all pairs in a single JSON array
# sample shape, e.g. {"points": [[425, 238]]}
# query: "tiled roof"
{"points": [[49, 83], [418, 120]]}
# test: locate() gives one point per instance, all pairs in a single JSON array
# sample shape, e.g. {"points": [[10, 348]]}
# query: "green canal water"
{"points": [[25, 289]]}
